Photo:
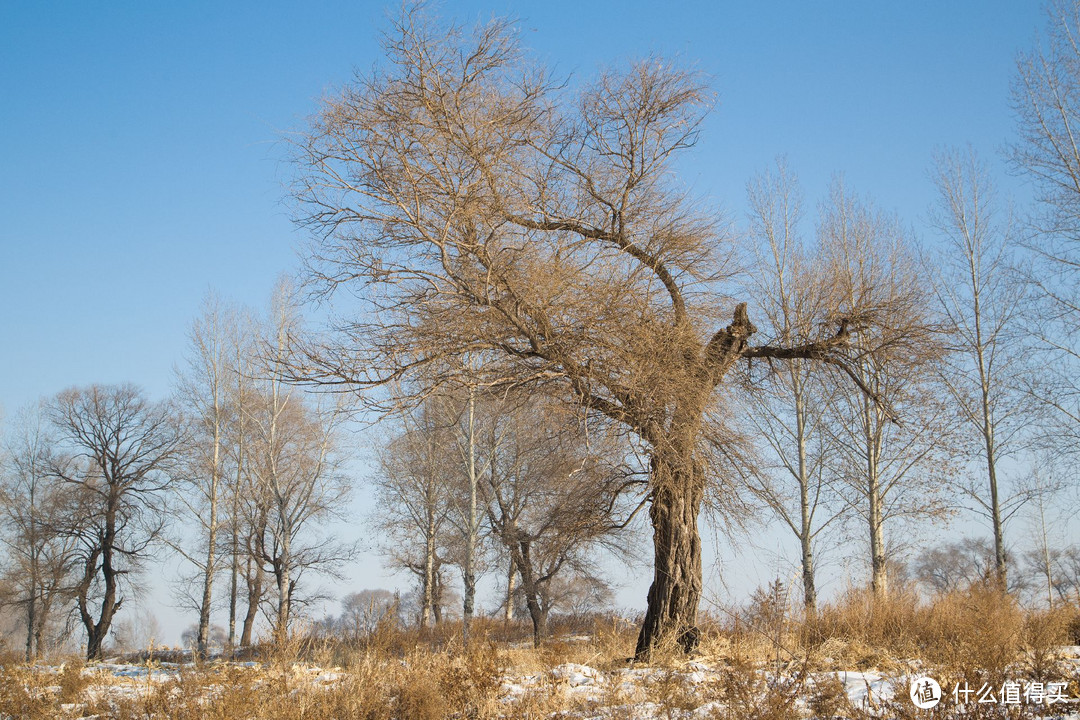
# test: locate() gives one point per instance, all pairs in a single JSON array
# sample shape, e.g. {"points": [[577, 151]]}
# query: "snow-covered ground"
{"points": [[692, 691]]}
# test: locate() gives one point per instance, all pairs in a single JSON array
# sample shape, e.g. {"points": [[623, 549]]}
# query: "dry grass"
{"points": [[979, 629], [777, 672], [422, 686]]}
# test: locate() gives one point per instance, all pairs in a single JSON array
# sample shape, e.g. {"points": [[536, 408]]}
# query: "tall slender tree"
{"points": [[413, 490], [241, 394], [468, 509], [203, 390], [295, 466], [1046, 100], [34, 507], [893, 452], [982, 302], [795, 481]]}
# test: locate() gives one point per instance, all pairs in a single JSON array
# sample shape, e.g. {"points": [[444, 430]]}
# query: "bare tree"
{"points": [[137, 630], [1046, 99], [203, 391], [241, 369], [295, 465], [795, 479], [468, 514], [123, 451], [982, 304], [253, 511], [1043, 562], [551, 499], [457, 431], [891, 470], [217, 637], [413, 490], [476, 206], [1057, 570], [580, 597], [33, 508], [243, 506], [953, 566], [217, 389], [363, 612]]}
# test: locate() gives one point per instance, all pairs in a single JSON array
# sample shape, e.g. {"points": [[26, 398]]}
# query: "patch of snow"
{"points": [[575, 675], [867, 690]]}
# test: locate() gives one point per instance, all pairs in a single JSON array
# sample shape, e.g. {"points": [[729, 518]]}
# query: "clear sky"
{"points": [[142, 162]]}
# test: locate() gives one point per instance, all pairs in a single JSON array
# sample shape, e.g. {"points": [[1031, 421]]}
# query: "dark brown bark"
{"points": [[39, 631], [208, 584], [678, 491], [234, 576], [31, 622], [539, 616], [130, 447], [255, 591], [677, 478], [98, 629], [521, 555]]}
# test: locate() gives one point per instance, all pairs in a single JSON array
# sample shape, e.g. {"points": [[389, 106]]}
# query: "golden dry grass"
{"points": [[781, 672]]}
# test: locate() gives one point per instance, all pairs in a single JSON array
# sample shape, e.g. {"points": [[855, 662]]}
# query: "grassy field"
{"points": [[853, 659]]}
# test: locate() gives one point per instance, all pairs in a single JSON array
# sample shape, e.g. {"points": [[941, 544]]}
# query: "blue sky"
{"points": [[142, 159], [143, 162]]}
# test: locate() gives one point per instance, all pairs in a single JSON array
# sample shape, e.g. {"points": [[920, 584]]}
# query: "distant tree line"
{"points": [[473, 474], [236, 473]]}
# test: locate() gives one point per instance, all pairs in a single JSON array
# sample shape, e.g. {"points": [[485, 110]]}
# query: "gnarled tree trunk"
{"points": [[254, 578], [678, 490]]}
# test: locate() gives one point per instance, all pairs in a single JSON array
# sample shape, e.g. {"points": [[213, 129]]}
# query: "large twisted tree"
{"points": [[486, 216]]}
